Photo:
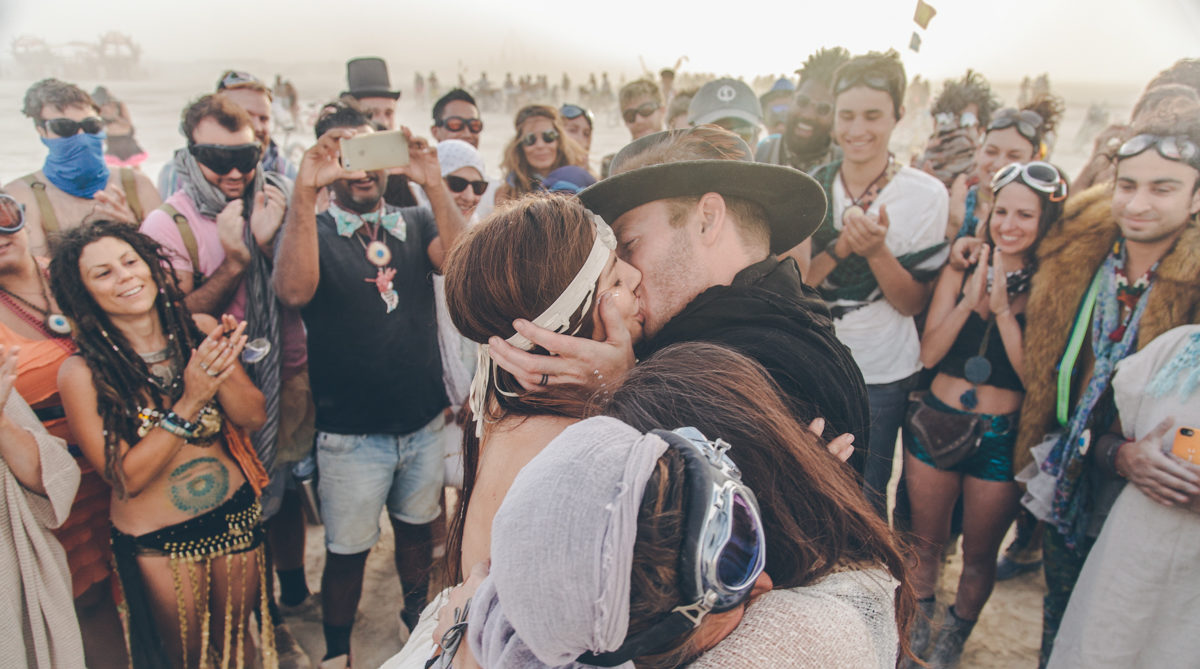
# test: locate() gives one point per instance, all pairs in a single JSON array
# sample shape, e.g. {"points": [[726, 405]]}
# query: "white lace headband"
{"points": [[577, 297]]}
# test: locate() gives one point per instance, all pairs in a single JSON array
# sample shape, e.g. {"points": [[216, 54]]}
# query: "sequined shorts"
{"points": [[994, 459]]}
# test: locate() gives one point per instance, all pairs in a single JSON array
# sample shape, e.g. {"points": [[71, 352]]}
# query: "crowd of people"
{"points": [[670, 394]]}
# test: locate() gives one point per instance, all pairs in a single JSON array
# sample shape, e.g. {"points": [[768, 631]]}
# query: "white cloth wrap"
{"points": [[562, 549], [455, 154]]}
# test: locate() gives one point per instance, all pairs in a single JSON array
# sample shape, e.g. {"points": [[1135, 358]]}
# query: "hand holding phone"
{"points": [[1187, 445], [375, 151]]}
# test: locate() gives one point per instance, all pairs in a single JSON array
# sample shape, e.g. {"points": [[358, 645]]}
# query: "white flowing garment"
{"points": [[1136, 600]]}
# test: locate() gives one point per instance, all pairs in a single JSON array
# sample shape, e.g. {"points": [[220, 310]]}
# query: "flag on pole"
{"points": [[924, 13]]}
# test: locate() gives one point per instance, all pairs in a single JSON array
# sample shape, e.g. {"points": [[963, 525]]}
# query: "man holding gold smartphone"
{"points": [[1131, 251], [360, 273]]}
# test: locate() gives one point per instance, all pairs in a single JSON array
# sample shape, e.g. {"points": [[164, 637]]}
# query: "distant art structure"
{"points": [[113, 55]]}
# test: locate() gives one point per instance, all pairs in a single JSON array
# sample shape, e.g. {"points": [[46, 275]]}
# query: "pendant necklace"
{"points": [[54, 323], [379, 255]]}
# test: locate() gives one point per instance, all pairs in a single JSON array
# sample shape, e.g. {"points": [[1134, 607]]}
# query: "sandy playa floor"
{"points": [[1007, 636]]}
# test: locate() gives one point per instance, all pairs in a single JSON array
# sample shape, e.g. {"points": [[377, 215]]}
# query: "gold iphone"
{"points": [[375, 151]]}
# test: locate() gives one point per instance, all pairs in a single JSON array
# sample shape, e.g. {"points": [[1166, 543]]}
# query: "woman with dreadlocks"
{"points": [[159, 402]]}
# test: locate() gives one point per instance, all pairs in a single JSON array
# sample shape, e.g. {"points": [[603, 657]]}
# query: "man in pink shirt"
{"points": [[219, 230]]}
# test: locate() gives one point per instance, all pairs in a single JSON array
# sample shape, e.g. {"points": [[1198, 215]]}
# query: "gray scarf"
{"points": [[262, 308], [560, 579]]}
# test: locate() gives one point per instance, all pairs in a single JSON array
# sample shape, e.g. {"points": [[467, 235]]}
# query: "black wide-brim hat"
{"points": [[794, 202]]}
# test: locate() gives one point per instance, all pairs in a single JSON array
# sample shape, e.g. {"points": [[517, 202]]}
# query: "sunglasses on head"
{"points": [[822, 108], [1172, 147], [224, 159], [875, 81], [457, 123], [549, 137], [645, 109], [1041, 177], [12, 214], [459, 184], [65, 127], [233, 78], [1026, 121], [724, 549], [571, 112]]}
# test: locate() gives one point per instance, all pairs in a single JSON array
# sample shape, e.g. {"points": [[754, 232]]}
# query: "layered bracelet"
{"points": [[178, 426]]}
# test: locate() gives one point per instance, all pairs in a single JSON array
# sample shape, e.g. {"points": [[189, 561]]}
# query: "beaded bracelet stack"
{"points": [[178, 426]]}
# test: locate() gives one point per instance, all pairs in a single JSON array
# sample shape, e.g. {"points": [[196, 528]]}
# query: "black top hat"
{"points": [[368, 78], [794, 201]]}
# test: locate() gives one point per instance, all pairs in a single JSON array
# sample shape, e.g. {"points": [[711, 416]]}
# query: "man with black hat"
{"points": [[703, 223], [370, 88]]}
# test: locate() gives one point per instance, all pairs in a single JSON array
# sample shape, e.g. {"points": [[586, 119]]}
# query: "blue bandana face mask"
{"points": [[76, 164]]}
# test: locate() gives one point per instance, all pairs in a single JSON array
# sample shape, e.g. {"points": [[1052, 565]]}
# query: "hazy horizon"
{"points": [[1088, 43]]}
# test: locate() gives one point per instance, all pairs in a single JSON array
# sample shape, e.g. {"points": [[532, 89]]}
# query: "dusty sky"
{"points": [[1085, 41]]}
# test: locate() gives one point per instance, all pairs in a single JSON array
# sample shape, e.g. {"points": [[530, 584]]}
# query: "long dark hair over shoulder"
{"points": [[816, 519], [121, 377]]}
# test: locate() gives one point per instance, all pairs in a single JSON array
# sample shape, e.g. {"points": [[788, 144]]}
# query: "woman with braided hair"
{"points": [[159, 402]]}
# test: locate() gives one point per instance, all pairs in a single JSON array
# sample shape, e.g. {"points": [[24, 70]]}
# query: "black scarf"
{"points": [[768, 314]]}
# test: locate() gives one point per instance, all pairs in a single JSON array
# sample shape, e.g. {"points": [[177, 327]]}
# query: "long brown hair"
{"points": [[513, 265], [814, 513], [519, 176]]}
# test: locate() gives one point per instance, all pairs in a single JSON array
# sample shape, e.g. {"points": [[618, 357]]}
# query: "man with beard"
{"points": [[361, 274], [219, 229], [74, 183], [806, 140], [254, 97]]}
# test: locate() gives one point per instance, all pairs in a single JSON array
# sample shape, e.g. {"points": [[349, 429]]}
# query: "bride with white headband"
{"points": [[547, 259]]}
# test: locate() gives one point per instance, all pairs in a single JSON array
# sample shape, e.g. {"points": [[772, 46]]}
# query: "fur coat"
{"points": [[1067, 260]]}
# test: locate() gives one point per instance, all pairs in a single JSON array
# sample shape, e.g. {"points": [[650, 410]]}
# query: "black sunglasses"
{"points": [[65, 127], [12, 214], [224, 159], [459, 184], [645, 109], [457, 123], [822, 108], [549, 137]]}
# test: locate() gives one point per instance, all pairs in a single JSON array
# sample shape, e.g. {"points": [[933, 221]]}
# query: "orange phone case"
{"points": [[1187, 444]]}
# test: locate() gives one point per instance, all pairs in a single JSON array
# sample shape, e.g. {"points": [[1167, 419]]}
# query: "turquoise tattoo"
{"points": [[198, 485]]}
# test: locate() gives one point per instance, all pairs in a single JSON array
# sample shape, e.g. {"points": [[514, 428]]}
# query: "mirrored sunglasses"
{"points": [[457, 123], [12, 214], [570, 112]]}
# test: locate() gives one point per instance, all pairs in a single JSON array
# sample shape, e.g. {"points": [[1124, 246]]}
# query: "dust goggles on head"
{"points": [[1027, 122], [12, 214], [724, 549], [1172, 147], [1040, 176]]}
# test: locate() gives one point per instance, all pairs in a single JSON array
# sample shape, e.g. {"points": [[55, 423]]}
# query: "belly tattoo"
{"points": [[198, 485]]}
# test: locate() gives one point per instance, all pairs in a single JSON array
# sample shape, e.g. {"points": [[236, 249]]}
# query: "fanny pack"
{"points": [[949, 438]]}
